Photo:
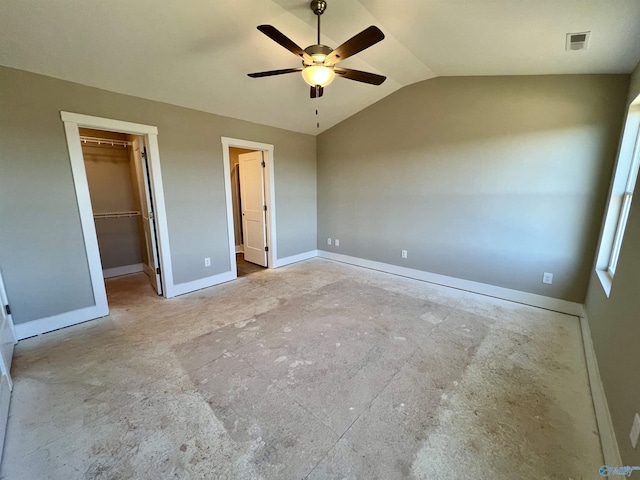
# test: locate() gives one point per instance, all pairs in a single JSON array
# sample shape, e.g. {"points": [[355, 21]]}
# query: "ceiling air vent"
{"points": [[578, 41]]}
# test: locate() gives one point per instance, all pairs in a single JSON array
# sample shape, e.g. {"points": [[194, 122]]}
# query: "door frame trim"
{"points": [[269, 197], [72, 123]]}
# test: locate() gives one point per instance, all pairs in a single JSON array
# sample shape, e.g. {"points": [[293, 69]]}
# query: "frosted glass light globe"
{"points": [[318, 75]]}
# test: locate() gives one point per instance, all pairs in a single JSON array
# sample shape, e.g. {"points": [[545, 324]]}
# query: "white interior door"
{"points": [[254, 232], [5, 400], [7, 335], [7, 341], [151, 263]]}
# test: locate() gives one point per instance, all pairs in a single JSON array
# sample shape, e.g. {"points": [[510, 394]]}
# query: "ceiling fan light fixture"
{"points": [[318, 75], [318, 61]]}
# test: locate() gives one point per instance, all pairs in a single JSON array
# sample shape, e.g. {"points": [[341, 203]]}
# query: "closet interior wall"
{"points": [[115, 199]]}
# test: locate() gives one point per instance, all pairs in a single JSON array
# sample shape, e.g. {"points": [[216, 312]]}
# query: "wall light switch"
{"points": [[336, 242], [635, 431], [547, 278], [207, 262], [404, 254], [328, 241]]}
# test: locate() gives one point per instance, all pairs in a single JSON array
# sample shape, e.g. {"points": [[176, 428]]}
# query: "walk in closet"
{"points": [[118, 186]]}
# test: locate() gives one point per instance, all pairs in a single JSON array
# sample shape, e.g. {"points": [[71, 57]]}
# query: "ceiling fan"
{"points": [[318, 61]]}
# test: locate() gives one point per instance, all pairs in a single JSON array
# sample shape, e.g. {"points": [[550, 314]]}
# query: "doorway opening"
{"points": [[72, 124], [250, 205], [122, 202], [249, 212]]}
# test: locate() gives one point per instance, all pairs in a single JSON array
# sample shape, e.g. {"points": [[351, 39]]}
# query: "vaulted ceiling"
{"points": [[196, 53]]}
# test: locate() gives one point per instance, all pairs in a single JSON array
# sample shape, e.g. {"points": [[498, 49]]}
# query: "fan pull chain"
{"points": [[317, 123]]}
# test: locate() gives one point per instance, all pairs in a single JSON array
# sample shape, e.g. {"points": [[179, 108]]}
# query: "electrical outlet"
{"points": [[328, 241], [547, 278], [336, 242], [404, 254], [207, 262], [635, 431]]}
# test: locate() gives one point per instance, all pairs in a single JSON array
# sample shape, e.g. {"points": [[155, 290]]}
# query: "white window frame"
{"points": [[620, 198]]}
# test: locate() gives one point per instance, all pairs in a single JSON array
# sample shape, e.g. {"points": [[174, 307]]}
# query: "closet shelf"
{"points": [[116, 214], [105, 141]]}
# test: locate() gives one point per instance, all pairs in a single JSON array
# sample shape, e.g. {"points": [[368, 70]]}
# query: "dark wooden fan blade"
{"points": [[274, 72], [363, 40], [359, 76], [316, 92], [277, 36]]}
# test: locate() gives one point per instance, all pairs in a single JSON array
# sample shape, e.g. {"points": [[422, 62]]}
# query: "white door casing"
{"points": [[151, 263], [269, 158], [253, 207]]}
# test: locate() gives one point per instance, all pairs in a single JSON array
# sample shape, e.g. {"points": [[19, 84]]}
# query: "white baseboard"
{"points": [[532, 299], [188, 287], [55, 322], [281, 262], [239, 248], [124, 270], [608, 441]]}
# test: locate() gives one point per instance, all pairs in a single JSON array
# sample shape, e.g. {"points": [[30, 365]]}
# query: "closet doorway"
{"points": [[249, 188], [122, 202]]}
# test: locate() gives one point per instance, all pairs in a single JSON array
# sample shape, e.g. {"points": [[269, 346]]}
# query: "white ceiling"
{"points": [[196, 53]]}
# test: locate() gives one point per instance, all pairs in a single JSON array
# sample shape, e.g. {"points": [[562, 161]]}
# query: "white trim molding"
{"points": [[81, 185], [55, 322], [627, 151], [188, 287], [239, 248], [608, 441], [281, 262], [108, 124], [123, 270], [532, 299]]}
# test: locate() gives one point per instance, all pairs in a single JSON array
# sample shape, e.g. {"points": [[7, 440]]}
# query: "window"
{"points": [[624, 180], [624, 210]]}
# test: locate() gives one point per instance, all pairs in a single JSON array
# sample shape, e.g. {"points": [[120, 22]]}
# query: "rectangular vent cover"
{"points": [[578, 41]]}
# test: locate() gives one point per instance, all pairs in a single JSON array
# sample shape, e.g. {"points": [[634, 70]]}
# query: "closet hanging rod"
{"points": [[116, 214], [105, 141]]}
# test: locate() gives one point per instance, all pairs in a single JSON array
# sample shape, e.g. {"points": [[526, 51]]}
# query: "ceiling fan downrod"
{"points": [[318, 7]]}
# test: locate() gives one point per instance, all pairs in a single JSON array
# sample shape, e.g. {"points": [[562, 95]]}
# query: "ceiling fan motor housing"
{"points": [[318, 53], [318, 6]]}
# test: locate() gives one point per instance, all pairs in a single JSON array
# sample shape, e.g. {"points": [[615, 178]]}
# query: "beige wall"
{"points": [[615, 326], [490, 179], [42, 252]]}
